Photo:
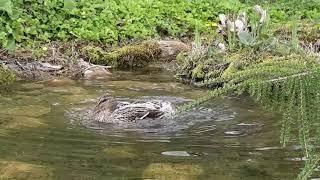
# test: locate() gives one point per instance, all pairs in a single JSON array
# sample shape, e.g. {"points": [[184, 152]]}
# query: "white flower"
{"points": [[262, 13], [222, 47], [240, 26], [230, 25], [223, 20], [243, 17]]}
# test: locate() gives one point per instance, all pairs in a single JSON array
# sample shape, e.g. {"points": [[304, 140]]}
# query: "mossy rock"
{"points": [[24, 171], [131, 56], [120, 152], [135, 56], [172, 171]]}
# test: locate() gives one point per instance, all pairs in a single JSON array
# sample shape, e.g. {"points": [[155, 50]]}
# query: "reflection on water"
{"points": [[227, 139]]}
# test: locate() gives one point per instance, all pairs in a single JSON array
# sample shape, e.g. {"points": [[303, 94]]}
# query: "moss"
{"points": [[198, 71], [126, 57], [6, 76]]}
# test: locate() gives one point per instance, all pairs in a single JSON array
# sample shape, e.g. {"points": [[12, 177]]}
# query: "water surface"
{"points": [[227, 139]]}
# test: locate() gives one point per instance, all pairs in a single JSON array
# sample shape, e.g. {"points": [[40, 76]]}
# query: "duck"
{"points": [[110, 110]]}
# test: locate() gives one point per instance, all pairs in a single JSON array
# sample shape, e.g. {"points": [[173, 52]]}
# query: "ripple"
{"points": [[176, 153]]}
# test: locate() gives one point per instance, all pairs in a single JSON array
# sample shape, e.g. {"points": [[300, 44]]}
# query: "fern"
{"points": [[286, 84]]}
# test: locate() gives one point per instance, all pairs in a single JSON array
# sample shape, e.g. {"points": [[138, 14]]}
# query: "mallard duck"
{"points": [[109, 110]]}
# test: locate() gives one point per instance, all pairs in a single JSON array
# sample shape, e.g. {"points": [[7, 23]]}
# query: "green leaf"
{"points": [[11, 44], [246, 38], [6, 6], [69, 4]]}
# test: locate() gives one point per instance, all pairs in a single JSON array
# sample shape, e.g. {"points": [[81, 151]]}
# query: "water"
{"points": [[227, 139]]}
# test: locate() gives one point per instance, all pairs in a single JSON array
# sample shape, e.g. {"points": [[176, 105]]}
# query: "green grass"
{"points": [[115, 21]]}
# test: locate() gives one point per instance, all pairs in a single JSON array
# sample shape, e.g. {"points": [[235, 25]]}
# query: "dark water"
{"points": [[229, 138]]}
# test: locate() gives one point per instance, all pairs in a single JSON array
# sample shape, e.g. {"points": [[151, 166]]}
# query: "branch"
{"points": [[286, 77]]}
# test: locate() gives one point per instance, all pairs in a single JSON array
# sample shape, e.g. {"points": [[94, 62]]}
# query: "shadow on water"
{"points": [[229, 138]]}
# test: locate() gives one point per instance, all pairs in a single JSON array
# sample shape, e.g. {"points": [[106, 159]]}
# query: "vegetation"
{"points": [[268, 62], [281, 75], [115, 21], [6, 76]]}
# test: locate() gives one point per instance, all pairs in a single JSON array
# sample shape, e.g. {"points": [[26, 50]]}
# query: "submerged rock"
{"points": [[172, 171], [24, 171]]}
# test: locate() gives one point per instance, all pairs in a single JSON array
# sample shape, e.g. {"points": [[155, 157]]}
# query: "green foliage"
{"points": [[114, 21], [286, 84], [278, 74]]}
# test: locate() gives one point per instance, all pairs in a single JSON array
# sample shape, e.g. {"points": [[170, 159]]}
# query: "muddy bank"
{"points": [[87, 61]]}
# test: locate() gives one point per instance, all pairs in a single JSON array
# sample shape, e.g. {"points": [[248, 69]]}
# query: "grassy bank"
{"points": [[112, 22]]}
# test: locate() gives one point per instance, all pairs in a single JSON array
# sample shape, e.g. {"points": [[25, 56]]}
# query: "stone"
{"points": [[170, 49], [176, 171], [96, 72]]}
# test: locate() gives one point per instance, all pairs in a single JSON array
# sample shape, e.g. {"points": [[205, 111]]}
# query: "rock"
{"points": [[23, 171], [170, 49], [96, 72], [172, 171]]}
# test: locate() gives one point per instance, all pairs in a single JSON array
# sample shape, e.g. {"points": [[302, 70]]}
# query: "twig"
{"points": [[145, 115]]}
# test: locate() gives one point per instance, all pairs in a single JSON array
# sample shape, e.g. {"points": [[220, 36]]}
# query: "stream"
{"points": [[229, 138]]}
